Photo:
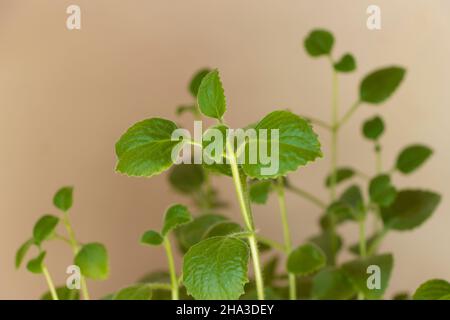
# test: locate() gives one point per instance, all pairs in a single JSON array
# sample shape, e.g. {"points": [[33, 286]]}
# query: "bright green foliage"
{"points": [[22, 251], [35, 265], [175, 216], [410, 209], [298, 144], [211, 164], [223, 228], [63, 293], [379, 85], [44, 228], [259, 191], [323, 241], [342, 174], [197, 80], [435, 289], [319, 42], [332, 284], [216, 268], [63, 198], [134, 292], [347, 63], [352, 197], [412, 157], [152, 238], [194, 231], [356, 270], [146, 148], [93, 261], [381, 191], [373, 128], [211, 97], [187, 178], [306, 259]]}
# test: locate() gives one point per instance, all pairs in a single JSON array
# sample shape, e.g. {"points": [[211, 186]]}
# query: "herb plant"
{"points": [[216, 250], [91, 258]]}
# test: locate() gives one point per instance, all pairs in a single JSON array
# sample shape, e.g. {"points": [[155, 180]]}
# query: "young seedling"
{"points": [[91, 258]]}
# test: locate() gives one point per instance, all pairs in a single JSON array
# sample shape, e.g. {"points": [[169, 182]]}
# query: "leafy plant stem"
{"points": [[50, 284], [247, 215], [379, 166], [306, 195], [173, 275], [271, 243], [362, 246], [334, 155], [75, 247], [286, 234], [348, 114], [318, 122], [160, 286]]}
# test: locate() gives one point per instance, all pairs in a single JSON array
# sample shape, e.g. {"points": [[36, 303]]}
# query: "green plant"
{"points": [[91, 258], [216, 250]]}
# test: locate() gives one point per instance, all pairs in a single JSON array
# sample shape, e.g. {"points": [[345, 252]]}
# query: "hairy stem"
{"points": [[75, 248], [50, 284], [172, 271], [286, 235], [248, 218]]}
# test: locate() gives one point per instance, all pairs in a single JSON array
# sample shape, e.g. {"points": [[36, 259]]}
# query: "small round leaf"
{"points": [[379, 85], [319, 42], [44, 228], [197, 80], [35, 265], [412, 157], [175, 216], [306, 259], [211, 97], [152, 238], [93, 261], [373, 128], [347, 63], [63, 198]]}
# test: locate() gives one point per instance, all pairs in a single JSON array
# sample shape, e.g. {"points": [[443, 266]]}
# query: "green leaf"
{"points": [[297, 141], [187, 108], [373, 128], [410, 209], [211, 97], [306, 259], [379, 85], [216, 268], [152, 238], [347, 63], [269, 270], [259, 191], [63, 198], [44, 228], [210, 163], [93, 261], [134, 292], [412, 157], [22, 251], [223, 228], [319, 42], [370, 242], [434, 289], [63, 293], [342, 174], [381, 190], [357, 271], [35, 265], [401, 296], [197, 80], [194, 231], [352, 197], [187, 178], [332, 284], [323, 241], [146, 148], [339, 211], [175, 216]]}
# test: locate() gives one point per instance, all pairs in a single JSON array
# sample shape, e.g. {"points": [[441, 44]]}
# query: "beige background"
{"points": [[66, 97]]}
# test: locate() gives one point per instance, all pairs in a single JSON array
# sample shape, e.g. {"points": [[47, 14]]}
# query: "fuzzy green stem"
{"points": [[286, 235], [248, 219], [50, 284], [75, 248], [348, 114], [172, 271]]}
